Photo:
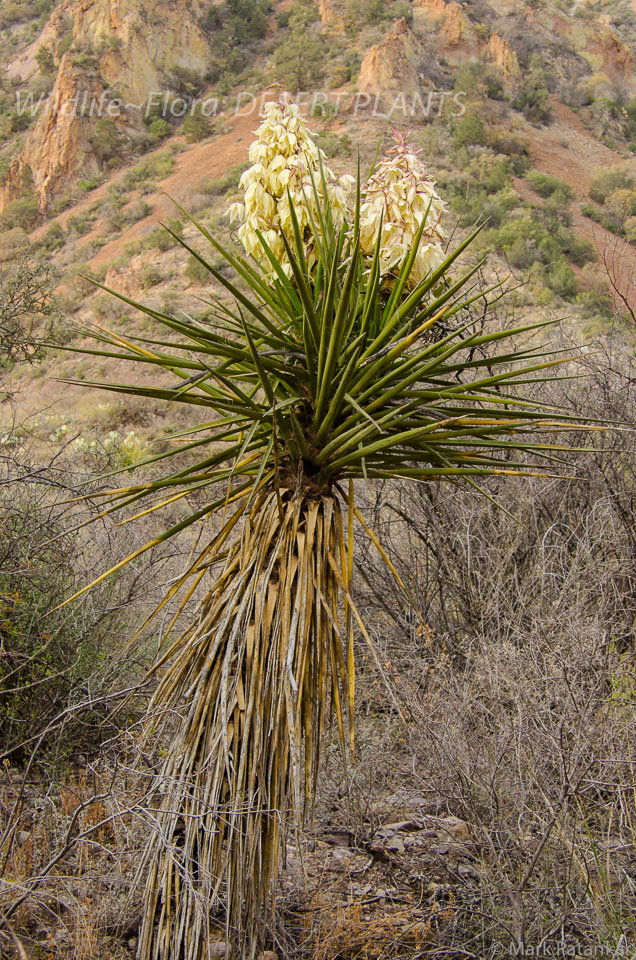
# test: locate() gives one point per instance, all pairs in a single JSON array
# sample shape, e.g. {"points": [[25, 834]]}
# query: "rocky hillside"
{"points": [[120, 52], [96, 51], [525, 111]]}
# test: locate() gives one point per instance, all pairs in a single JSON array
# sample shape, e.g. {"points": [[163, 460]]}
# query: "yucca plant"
{"points": [[330, 359]]}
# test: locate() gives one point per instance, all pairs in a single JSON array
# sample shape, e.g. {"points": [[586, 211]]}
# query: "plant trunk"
{"points": [[253, 683]]}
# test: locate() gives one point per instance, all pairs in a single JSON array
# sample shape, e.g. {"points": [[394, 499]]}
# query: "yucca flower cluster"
{"points": [[398, 196], [286, 162]]}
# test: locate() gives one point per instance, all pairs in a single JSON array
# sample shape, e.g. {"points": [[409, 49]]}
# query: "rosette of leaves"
{"points": [[311, 382]]}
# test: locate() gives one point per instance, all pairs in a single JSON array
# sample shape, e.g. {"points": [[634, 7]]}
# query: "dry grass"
{"points": [[351, 931], [521, 690]]}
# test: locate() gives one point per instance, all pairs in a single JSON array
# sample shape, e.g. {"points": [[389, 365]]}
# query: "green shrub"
{"points": [[41, 658], [580, 251], [555, 212], [470, 130], [107, 142], [401, 10], [106, 307], [213, 19], [520, 255], [21, 11], [240, 20], [81, 223], [131, 249], [109, 42], [68, 197], [65, 44], [366, 11], [82, 275], [246, 19], [299, 61], [536, 242], [630, 229], [490, 172], [534, 96], [549, 246], [615, 192], [186, 83], [12, 243], [161, 239], [334, 145], [494, 87], [159, 128], [22, 212], [90, 184], [151, 275], [479, 207], [45, 61], [136, 211], [85, 56], [510, 144], [478, 80], [152, 168], [562, 280], [546, 185], [225, 183], [54, 238], [53, 660], [28, 312], [302, 14], [20, 122], [196, 273], [482, 190], [195, 126], [621, 203], [606, 182]]}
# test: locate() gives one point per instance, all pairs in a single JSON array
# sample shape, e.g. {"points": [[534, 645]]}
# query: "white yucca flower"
{"points": [[284, 157], [401, 194]]}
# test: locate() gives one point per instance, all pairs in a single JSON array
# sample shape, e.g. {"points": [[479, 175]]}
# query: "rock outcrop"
{"points": [[140, 42], [393, 64], [328, 13], [128, 50], [58, 146], [456, 38], [607, 54], [504, 57], [24, 67], [432, 9], [456, 28]]}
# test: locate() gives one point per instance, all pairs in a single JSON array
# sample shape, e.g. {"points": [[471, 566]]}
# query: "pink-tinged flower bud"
{"points": [[401, 194]]}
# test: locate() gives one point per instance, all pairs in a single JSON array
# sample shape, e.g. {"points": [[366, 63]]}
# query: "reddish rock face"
{"points": [[504, 57], [57, 147], [131, 47], [432, 8], [393, 63], [608, 54]]}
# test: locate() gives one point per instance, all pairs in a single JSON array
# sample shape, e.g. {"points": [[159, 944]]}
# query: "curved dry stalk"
{"points": [[253, 683]]}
